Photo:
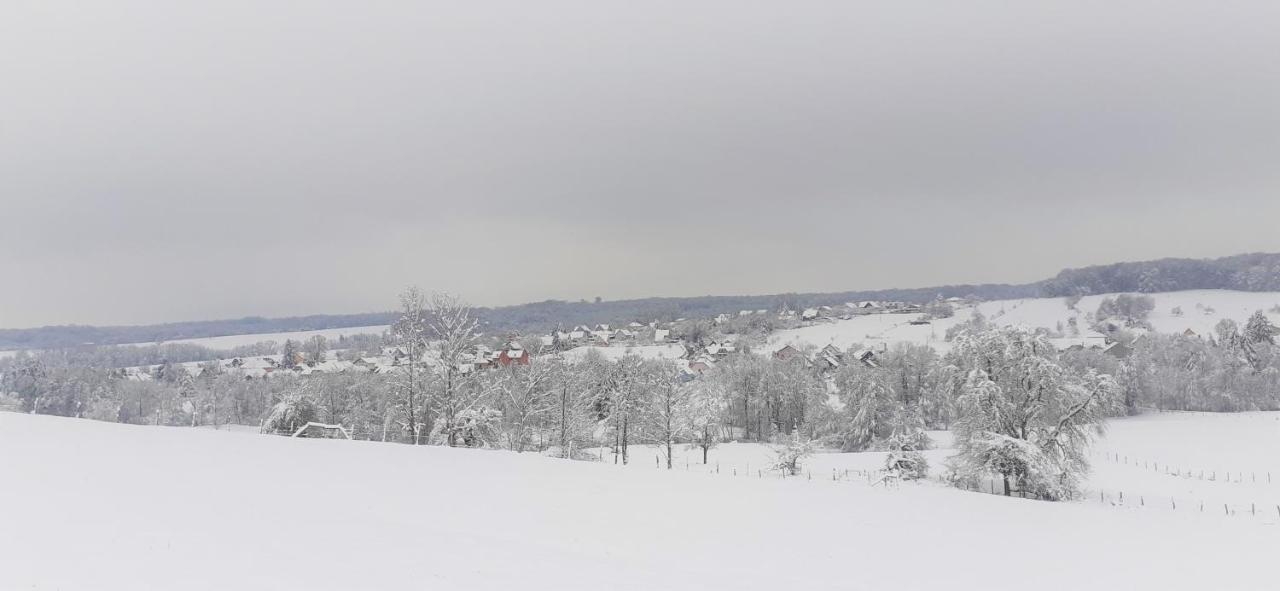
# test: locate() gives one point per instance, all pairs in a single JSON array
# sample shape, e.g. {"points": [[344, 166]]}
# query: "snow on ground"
{"points": [[238, 340], [1201, 310], [86, 505], [232, 341], [616, 352], [1183, 459], [1173, 461], [1236, 305], [750, 458], [875, 331]]}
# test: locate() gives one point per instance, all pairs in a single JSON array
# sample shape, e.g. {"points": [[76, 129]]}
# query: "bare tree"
{"points": [[317, 348], [409, 333], [667, 408], [526, 395], [453, 330]]}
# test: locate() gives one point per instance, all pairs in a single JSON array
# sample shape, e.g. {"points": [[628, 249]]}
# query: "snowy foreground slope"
{"points": [[86, 505]]}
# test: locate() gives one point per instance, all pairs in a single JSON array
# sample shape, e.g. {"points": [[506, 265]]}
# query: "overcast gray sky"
{"points": [[171, 160]]}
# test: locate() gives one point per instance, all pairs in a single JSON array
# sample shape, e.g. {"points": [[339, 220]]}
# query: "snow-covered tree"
{"points": [[289, 354], [1132, 310], [707, 407], [791, 452], [904, 459], [668, 405], [572, 414], [1023, 416], [1227, 332], [409, 333], [622, 394], [453, 331], [1259, 329], [867, 407], [317, 349], [525, 396], [292, 412]]}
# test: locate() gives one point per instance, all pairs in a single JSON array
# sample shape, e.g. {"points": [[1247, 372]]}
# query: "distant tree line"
{"points": [[1246, 272]]}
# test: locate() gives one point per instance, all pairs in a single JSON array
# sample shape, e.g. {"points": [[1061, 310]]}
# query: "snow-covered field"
{"points": [[231, 341], [238, 340], [873, 330], [1171, 461], [1184, 460], [86, 505], [1201, 310]]}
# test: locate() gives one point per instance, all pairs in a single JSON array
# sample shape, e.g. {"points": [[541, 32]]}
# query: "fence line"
{"points": [[1242, 477]]}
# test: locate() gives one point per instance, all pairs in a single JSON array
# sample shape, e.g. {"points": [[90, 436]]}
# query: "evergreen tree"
{"points": [[289, 354], [1259, 329]]}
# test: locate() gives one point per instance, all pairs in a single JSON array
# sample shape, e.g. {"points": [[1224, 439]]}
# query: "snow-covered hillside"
{"points": [[231, 341], [101, 506], [1201, 310], [239, 340]]}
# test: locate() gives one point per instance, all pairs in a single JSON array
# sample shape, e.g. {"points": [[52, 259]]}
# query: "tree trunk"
{"points": [[624, 440]]}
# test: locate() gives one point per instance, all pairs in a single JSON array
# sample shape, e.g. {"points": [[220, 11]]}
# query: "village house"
{"points": [[787, 353], [512, 354]]}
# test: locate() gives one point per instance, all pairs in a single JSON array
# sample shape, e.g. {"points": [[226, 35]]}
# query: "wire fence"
{"points": [[1211, 475]]}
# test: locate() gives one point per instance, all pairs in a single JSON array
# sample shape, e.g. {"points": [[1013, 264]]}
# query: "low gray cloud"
{"points": [[166, 161]]}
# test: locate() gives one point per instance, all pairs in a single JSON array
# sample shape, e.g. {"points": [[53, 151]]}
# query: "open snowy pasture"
{"points": [[1199, 310], [87, 505], [1218, 463]]}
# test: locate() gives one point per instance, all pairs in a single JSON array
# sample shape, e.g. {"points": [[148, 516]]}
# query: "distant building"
{"points": [[1119, 350], [787, 353], [512, 354]]}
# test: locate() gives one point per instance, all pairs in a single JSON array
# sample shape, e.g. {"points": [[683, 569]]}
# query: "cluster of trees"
{"points": [[1235, 369], [1130, 310]]}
